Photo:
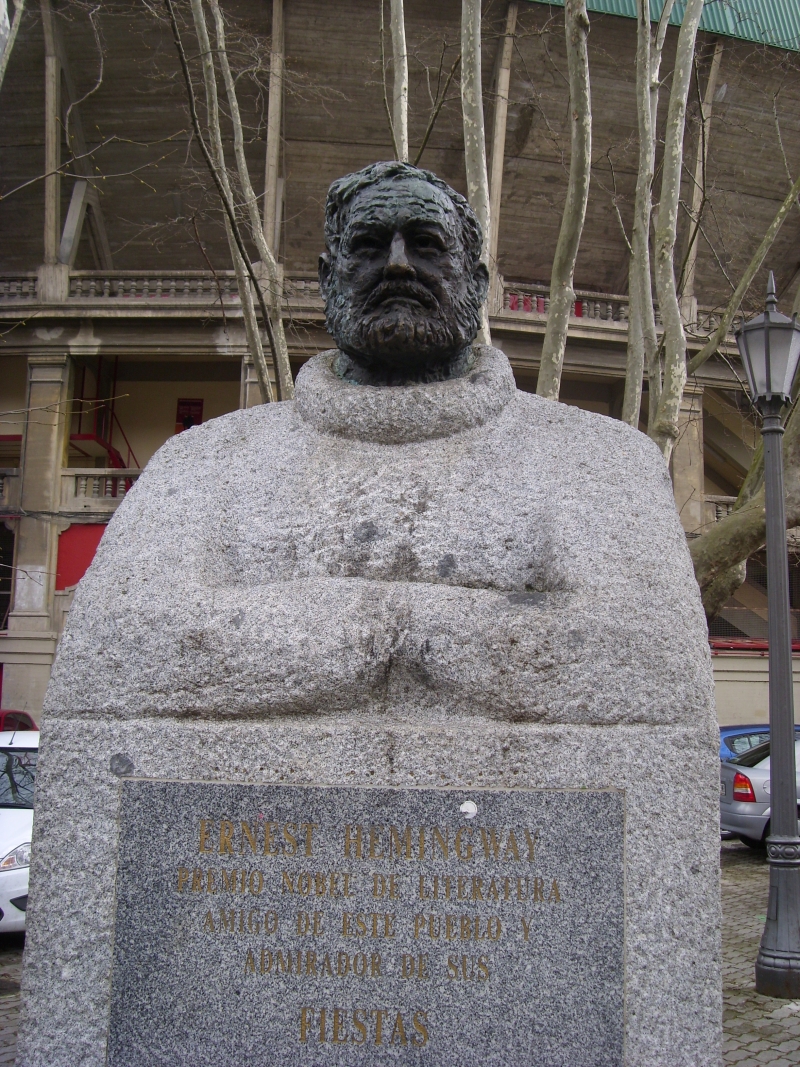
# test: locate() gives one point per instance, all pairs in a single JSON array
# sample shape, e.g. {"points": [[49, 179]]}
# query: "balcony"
{"points": [[92, 494], [515, 304]]}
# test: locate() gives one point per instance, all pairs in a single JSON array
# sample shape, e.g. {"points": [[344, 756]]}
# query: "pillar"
{"points": [[30, 646]]}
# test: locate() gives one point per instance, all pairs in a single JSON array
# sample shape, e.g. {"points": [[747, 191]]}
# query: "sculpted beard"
{"points": [[421, 327]]}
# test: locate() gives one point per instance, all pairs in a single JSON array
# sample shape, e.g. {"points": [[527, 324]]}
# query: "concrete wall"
{"points": [[742, 687], [146, 410]]}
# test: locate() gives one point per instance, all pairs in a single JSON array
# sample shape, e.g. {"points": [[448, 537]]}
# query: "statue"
{"points": [[413, 574], [411, 532], [402, 276]]}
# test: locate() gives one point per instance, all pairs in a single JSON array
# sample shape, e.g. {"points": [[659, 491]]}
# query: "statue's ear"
{"points": [[481, 276], [324, 272]]}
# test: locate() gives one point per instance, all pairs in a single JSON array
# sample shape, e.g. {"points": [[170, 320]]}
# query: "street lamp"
{"points": [[770, 349]]}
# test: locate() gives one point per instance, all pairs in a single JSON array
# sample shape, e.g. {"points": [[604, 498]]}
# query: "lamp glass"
{"points": [[784, 354], [752, 348]]}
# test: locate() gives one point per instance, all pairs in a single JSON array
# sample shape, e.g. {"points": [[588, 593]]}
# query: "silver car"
{"points": [[744, 789]]}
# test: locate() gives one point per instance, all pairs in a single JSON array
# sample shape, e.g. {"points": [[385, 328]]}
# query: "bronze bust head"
{"points": [[402, 277]]}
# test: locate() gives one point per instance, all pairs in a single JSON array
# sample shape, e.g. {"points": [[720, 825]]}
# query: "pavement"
{"points": [[11, 946], [758, 1031]]}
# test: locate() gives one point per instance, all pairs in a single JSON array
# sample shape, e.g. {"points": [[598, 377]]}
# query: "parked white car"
{"points": [[18, 752]]}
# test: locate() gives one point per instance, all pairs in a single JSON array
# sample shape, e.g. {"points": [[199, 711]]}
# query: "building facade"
{"points": [[120, 319]]}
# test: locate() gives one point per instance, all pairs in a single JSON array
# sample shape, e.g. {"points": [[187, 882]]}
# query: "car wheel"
{"points": [[751, 842]]}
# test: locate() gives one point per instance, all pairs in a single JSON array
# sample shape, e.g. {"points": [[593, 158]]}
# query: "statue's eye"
{"points": [[366, 243], [426, 242]]}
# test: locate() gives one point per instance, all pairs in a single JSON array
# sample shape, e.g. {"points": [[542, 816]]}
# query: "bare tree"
{"points": [[718, 554], [642, 339], [285, 381], [214, 157], [400, 94], [562, 294], [474, 131], [7, 44], [664, 427]]}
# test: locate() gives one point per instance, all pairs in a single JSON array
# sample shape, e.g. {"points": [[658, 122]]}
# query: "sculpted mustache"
{"points": [[394, 289]]}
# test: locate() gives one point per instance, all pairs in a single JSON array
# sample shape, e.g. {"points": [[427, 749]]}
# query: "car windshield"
{"points": [[17, 773], [759, 756], [764, 763]]}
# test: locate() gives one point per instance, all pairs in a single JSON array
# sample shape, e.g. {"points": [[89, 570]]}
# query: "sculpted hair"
{"points": [[344, 189]]}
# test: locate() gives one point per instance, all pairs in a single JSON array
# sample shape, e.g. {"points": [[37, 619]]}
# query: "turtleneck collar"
{"points": [[404, 413]]}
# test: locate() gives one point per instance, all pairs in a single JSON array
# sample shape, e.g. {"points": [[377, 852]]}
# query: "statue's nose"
{"points": [[397, 265]]}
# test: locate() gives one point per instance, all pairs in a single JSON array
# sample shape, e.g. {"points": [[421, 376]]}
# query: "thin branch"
{"points": [[227, 205], [437, 109], [217, 282], [721, 332], [385, 93], [780, 140], [94, 179], [98, 82], [615, 204]]}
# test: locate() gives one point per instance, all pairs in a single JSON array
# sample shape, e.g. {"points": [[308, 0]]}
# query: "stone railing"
{"points": [[190, 285], [17, 288], [534, 300], [9, 490], [95, 490], [716, 508], [514, 301], [301, 290]]}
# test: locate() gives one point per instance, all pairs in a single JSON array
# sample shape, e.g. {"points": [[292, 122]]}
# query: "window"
{"points": [[17, 773], [744, 742], [17, 720], [188, 413]]}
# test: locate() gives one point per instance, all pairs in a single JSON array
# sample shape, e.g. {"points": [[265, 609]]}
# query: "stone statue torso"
{"points": [[458, 547]]}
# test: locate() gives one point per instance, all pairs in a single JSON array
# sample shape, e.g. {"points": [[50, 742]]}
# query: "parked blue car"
{"points": [[736, 740]]}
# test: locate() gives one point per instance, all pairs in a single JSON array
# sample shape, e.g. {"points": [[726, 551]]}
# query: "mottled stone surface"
{"points": [[526, 568], [356, 926], [365, 588]]}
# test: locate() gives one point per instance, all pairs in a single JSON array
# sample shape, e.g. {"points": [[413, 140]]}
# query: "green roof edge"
{"points": [[770, 22]]}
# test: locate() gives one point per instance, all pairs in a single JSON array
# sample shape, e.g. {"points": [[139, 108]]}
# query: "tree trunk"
{"points": [[642, 338], [400, 92], [640, 250], [499, 141], [664, 429], [274, 116], [218, 160], [729, 542], [562, 294], [474, 133], [285, 381], [19, 7]]}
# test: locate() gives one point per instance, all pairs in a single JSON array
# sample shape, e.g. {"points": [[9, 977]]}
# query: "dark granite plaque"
{"points": [[261, 925]]}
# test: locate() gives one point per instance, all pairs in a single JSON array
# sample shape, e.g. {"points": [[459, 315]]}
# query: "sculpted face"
{"points": [[402, 295]]}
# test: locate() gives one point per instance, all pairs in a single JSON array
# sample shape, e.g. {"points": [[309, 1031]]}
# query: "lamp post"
{"points": [[770, 349]]}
